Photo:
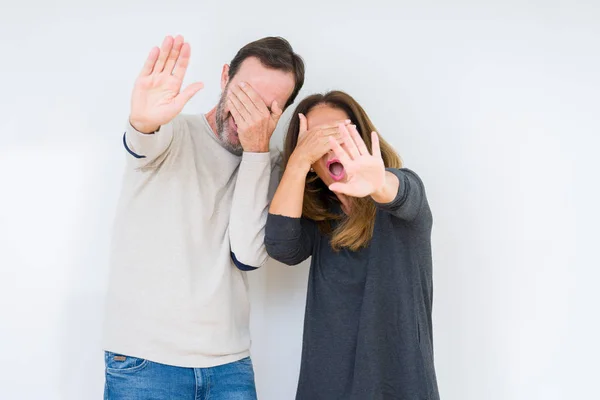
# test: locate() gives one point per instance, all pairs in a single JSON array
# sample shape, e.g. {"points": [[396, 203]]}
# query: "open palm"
{"points": [[365, 172], [157, 97]]}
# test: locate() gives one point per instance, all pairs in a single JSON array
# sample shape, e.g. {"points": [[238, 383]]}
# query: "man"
{"points": [[190, 221]]}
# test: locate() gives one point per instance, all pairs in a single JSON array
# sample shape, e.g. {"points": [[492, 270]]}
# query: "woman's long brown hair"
{"points": [[355, 230]]}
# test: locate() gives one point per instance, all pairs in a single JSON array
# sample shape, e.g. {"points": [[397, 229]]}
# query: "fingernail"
{"points": [[242, 84], [348, 121]]}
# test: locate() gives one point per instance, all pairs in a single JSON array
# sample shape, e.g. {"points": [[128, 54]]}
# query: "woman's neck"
{"points": [[345, 203]]}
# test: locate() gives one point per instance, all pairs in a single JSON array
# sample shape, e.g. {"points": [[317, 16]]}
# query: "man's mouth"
{"points": [[336, 169]]}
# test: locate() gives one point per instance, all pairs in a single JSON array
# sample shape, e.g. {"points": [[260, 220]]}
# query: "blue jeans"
{"points": [[131, 378]]}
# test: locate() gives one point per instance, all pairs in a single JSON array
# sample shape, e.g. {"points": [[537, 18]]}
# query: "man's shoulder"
{"points": [[192, 121]]}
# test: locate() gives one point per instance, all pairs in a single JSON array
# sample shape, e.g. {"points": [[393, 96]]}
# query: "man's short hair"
{"points": [[275, 53]]}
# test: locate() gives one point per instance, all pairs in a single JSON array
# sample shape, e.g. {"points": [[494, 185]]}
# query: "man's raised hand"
{"points": [[157, 97]]}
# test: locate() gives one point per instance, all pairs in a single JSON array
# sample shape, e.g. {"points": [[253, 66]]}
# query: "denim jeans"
{"points": [[131, 378]]}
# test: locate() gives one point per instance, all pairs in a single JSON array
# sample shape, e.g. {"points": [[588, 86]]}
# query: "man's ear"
{"points": [[224, 76]]}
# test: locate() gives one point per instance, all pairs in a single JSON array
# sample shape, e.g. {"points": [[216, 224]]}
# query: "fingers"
{"points": [[242, 111], [340, 153], [185, 96], [320, 146], [245, 101], [360, 143], [150, 61], [317, 142], [251, 94], [174, 54], [303, 124], [349, 142], [325, 129], [340, 187], [375, 144], [235, 112], [320, 137], [165, 50], [330, 132], [183, 61], [276, 111], [335, 125]]}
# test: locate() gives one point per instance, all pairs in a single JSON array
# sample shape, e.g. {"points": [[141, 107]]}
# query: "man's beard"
{"points": [[223, 132]]}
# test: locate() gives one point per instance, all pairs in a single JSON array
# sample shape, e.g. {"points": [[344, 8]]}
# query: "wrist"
{"points": [[256, 149], [381, 194], [142, 127], [298, 164], [254, 146]]}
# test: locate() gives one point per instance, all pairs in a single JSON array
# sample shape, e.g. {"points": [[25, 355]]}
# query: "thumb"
{"points": [[185, 96], [339, 187], [276, 111], [303, 124]]}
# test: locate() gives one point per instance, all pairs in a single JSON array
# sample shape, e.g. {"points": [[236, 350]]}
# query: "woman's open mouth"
{"points": [[336, 169]]}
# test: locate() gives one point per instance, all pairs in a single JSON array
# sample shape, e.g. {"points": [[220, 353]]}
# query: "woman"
{"points": [[344, 200]]}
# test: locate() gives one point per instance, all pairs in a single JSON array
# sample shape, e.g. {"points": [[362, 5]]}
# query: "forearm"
{"points": [[289, 240], [403, 196], [249, 210], [289, 196]]}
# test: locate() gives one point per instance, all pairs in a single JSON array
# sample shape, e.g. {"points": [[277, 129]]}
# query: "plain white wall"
{"points": [[495, 105]]}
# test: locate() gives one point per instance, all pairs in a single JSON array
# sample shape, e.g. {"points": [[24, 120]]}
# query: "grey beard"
{"points": [[222, 132]]}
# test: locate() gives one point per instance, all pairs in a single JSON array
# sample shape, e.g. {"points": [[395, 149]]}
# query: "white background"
{"points": [[495, 105]]}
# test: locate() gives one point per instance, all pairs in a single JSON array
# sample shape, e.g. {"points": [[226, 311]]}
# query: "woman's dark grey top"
{"points": [[367, 328]]}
